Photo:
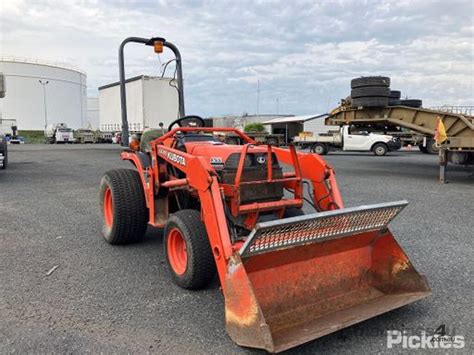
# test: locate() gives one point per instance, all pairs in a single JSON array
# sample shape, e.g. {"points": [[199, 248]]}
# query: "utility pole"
{"points": [[258, 94], [278, 106], [44, 83]]}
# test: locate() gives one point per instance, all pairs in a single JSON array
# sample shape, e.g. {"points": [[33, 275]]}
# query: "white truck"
{"points": [[347, 138], [58, 133]]}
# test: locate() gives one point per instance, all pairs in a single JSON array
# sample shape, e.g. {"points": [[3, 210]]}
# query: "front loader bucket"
{"points": [[300, 278]]}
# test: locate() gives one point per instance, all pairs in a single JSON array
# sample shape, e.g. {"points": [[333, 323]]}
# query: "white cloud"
{"points": [[303, 52]]}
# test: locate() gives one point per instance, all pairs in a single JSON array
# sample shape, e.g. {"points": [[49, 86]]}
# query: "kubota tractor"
{"points": [[287, 277]]}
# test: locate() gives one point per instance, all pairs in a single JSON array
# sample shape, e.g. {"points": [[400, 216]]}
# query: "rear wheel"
{"points": [[319, 148], [431, 147], [380, 149], [187, 249], [123, 206]]}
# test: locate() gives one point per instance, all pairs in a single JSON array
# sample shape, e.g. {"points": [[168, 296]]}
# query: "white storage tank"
{"points": [[150, 101], [41, 93]]}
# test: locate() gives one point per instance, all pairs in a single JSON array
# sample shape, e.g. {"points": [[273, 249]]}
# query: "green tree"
{"points": [[254, 127]]}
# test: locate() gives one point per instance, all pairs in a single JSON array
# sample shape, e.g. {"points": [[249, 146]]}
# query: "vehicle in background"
{"points": [[83, 136], [3, 152], [347, 139], [103, 137], [117, 138], [58, 133]]}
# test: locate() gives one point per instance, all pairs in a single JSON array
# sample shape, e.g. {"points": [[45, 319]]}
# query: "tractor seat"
{"points": [[148, 136]]}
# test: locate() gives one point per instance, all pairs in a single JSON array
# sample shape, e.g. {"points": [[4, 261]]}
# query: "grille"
{"points": [[318, 227]]}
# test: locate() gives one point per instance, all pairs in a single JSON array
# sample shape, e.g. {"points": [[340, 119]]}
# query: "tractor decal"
{"points": [[176, 158]]}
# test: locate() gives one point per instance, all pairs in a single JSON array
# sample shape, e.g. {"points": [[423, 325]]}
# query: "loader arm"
{"points": [[326, 195]]}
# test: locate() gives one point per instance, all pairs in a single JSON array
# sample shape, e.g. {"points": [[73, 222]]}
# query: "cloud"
{"points": [[302, 53]]}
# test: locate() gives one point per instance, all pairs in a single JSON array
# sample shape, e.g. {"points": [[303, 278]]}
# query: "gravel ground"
{"points": [[121, 299]]}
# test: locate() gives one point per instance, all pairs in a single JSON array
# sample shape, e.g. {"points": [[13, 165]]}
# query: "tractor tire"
{"points": [[123, 206], [394, 102], [187, 250], [395, 94], [380, 149], [411, 103], [319, 148], [370, 102], [370, 91], [370, 81]]}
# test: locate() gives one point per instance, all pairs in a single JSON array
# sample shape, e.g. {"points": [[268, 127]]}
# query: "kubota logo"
{"points": [[176, 158]]}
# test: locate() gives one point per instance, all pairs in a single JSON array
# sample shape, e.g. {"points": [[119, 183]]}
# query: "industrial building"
{"points": [[41, 93], [151, 101], [240, 121], [294, 125]]}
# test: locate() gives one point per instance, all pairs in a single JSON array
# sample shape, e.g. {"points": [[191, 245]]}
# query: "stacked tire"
{"points": [[370, 91], [411, 103], [394, 98]]}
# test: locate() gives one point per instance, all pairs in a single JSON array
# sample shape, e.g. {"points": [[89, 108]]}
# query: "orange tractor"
{"points": [[287, 277]]}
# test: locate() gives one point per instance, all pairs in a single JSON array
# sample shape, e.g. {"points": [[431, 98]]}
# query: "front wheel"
{"points": [[123, 206], [187, 249], [380, 149]]}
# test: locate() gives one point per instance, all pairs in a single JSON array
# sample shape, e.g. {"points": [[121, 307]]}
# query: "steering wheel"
{"points": [[188, 121]]}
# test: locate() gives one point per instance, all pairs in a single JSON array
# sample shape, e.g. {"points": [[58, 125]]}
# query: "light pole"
{"points": [[44, 83]]}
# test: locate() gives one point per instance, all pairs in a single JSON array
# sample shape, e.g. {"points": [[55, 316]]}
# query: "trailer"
{"points": [[457, 148], [347, 138], [151, 101]]}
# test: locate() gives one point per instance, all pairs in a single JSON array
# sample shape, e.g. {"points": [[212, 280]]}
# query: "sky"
{"points": [[302, 54]]}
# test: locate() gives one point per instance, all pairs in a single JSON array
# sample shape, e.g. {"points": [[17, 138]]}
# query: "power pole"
{"points": [[43, 84], [258, 95]]}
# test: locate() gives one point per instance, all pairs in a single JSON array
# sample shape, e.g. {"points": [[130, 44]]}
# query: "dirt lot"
{"points": [[121, 300]]}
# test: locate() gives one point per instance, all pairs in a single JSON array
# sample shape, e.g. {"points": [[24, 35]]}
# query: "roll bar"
{"points": [[123, 95]]}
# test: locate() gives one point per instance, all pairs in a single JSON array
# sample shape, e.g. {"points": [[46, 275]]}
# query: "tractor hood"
{"points": [[219, 152]]}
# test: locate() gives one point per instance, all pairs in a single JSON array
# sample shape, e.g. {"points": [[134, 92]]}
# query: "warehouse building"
{"points": [[240, 121], [41, 93], [294, 125]]}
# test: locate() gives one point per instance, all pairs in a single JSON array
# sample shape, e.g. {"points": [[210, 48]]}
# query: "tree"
{"points": [[254, 127]]}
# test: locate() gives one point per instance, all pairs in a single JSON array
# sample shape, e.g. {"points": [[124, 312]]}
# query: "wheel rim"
{"points": [[319, 149], [379, 150], [177, 253], [108, 208]]}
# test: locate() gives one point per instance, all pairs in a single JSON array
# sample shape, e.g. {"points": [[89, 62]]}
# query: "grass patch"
{"points": [[32, 137]]}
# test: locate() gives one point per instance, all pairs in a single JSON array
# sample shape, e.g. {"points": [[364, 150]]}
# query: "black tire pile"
{"points": [[374, 91]]}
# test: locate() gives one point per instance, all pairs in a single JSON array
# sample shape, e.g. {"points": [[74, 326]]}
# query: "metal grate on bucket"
{"points": [[289, 232]]}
